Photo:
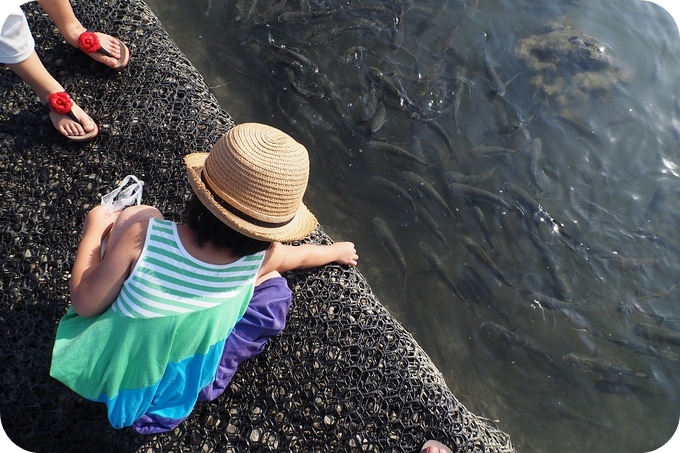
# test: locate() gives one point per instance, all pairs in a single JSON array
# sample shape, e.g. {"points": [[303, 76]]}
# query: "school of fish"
{"points": [[381, 88]]}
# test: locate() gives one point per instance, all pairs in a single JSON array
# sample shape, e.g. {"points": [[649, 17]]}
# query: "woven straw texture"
{"points": [[262, 173]]}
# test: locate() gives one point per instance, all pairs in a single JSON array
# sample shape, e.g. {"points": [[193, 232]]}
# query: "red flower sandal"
{"points": [[88, 42], [61, 104]]}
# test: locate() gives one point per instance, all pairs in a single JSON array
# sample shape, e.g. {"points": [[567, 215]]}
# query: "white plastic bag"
{"points": [[123, 196]]}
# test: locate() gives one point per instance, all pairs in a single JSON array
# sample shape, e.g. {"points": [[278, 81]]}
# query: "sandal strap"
{"points": [[47, 108], [73, 116], [101, 50]]}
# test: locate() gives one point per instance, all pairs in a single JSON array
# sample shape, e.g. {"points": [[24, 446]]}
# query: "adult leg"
{"points": [[61, 12]]}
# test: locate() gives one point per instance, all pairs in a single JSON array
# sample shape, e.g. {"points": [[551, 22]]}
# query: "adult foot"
{"points": [[69, 119]]}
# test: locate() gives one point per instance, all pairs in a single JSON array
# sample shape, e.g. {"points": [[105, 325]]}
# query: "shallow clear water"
{"points": [[603, 245]]}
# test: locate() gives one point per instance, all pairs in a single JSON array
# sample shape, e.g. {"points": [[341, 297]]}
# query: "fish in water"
{"points": [[657, 204], [477, 251], [390, 86], [585, 363], [529, 206], [623, 389], [576, 317], [335, 101], [395, 189], [546, 302], [470, 8], [368, 101], [461, 178], [390, 243], [560, 284], [352, 53], [507, 128], [484, 295], [458, 89], [437, 266], [398, 30], [484, 228], [495, 81], [293, 56], [473, 193], [394, 150], [657, 333], [516, 341], [447, 42], [617, 387], [378, 119], [426, 219], [511, 339], [648, 350], [430, 19], [305, 16], [427, 189], [491, 151], [626, 264], [641, 304], [440, 130], [662, 241], [424, 83], [629, 307], [533, 156]]}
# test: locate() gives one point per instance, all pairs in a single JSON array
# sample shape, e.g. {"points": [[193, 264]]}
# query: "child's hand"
{"points": [[345, 253], [100, 219]]}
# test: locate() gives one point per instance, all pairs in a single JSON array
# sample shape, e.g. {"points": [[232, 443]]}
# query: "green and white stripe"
{"points": [[168, 281]]}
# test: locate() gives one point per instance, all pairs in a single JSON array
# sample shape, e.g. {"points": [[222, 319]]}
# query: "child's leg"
{"points": [[263, 278], [43, 84], [17, 51], [61, 12], [127, 217], [264, 318]]}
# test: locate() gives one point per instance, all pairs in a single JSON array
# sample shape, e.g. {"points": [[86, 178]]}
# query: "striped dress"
{"points": [[161, 341]]}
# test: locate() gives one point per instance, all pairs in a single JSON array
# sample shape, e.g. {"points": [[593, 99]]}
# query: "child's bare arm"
{"points": [[284, 258], [95, 282]]}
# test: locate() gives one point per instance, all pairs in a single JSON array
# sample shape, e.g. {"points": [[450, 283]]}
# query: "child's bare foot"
{"points": [[69, 119], [433, 446]]}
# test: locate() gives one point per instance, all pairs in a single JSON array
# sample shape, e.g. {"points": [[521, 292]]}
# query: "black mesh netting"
{"points": [[344, 375]]}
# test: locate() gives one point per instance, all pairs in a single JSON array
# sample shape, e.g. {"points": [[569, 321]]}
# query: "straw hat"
{"points": [[253, 180]]}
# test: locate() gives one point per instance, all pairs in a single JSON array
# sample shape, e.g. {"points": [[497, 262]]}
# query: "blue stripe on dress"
{"points": [[194, 372]]}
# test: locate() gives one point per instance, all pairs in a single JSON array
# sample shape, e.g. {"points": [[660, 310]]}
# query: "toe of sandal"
{"points": [[88, 42], [61, 104]]}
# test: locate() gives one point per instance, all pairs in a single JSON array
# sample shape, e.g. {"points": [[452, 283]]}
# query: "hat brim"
{"points": [[302, 224]]}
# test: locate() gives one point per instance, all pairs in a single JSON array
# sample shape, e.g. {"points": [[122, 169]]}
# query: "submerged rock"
{"points": [[569, 65]]}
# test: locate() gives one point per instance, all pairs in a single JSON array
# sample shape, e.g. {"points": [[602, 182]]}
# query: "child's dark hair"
{"points": [[210, 229]]}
